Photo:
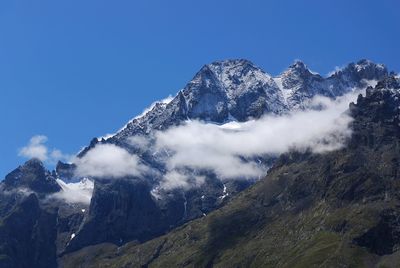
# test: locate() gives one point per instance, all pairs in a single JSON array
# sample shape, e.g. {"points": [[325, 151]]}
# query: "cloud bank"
{"points": [[223, 149], [230, 151]]}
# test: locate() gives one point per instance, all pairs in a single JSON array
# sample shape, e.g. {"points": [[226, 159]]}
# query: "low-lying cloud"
{"points": [[109, 160], [222, 148], [178, 179], [230, 151]]}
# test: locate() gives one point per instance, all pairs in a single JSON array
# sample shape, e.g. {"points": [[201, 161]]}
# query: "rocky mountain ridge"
{"points": [[239, 90]]}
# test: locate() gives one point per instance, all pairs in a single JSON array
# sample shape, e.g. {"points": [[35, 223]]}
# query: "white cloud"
{"points": [[108, 160], [37, 148], [20, 190], [175, 179], [139, 142], [197, 145], [227, 150], [79, 192]]}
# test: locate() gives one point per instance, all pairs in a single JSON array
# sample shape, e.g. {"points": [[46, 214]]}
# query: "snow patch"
{"points": [[224, 193], [77, 192], [105, 137], [286, 93]]}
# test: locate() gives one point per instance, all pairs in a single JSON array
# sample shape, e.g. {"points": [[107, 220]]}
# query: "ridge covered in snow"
{"points": [[238, 90], [75, 192]]}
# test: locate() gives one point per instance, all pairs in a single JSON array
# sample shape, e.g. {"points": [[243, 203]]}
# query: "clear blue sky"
{"points": [[73, 70]]}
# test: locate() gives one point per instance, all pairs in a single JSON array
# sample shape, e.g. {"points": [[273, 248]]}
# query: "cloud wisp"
{"points": [[109, 160], [37, 148], [177, 179]]}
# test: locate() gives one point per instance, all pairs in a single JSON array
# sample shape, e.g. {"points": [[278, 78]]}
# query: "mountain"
{"points": [[33, 176], [223, 91], [74, 212], [239, 90], [336, 209], [35, 225], [299, 84], [27, 236]]}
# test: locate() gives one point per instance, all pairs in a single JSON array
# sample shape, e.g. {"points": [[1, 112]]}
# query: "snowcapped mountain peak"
{"points": [[298, 64], [237, 89], [231, 66], [363, 69], [298, 69], [370, 69], [298, 83], [229, 63], [230, 74], [237, 76], [365, 63]]}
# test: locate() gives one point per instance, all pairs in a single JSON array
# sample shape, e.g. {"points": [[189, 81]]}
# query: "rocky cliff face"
{"points": [[28, 235], [120, 211]]}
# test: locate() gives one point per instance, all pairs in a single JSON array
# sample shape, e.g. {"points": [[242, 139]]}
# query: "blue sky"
{"points": [[73, 70]]}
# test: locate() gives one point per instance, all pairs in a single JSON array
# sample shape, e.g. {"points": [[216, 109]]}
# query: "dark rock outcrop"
{"points": [[120, 211], [32, 176]]}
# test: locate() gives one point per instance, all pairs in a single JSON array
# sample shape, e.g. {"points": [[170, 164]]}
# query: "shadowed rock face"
{"points": [[28, 235], [66, 171], [34, 226], [123, 210], [384, 237], [32, 176], [120, 211]]}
